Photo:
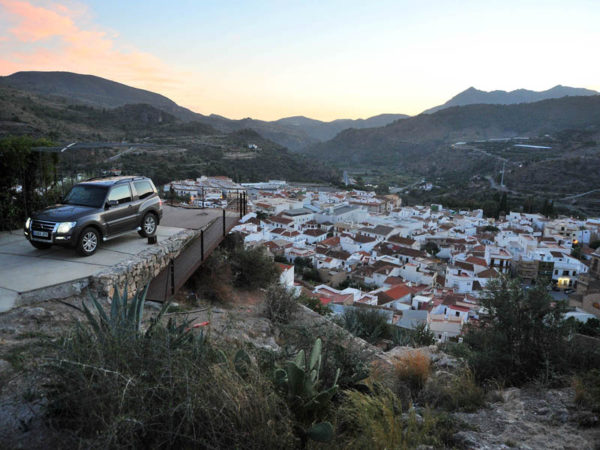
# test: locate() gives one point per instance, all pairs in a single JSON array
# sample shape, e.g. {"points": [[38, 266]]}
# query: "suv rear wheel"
{"points": [[149, 225], [88, 241]]}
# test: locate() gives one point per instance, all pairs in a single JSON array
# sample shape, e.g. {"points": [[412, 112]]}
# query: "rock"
{"points": [[586, 419], [446, 361], [36, 314], [531, 419], [561, 415], [5, 367], [467, 439]]}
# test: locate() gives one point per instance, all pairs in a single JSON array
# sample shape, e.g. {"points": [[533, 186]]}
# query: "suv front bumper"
{"points": [[47, 233]]}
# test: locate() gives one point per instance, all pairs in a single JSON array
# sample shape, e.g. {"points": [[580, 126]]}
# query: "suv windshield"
{"points": [[86, 195]]}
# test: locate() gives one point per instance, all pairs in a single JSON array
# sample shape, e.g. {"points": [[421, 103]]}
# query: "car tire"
{"points": [[88, 243], [149, 225], [40, 245]]}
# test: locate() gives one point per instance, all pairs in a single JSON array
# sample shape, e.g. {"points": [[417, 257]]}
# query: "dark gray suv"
{"points": [[97, 209]]}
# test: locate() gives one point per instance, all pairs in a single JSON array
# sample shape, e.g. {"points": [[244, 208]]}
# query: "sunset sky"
{"points": [[321, 59]]}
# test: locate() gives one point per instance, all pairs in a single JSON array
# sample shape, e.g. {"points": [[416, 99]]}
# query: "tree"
{"points": [[522, 335], [20, 166], [432, 248], [503, 205]]}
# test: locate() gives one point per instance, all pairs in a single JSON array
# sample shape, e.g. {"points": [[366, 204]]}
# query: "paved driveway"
{"points": [[24, 268]]}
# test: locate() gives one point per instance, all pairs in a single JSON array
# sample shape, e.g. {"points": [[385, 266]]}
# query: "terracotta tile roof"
{"points": [[465, 266], [394, 280], [399, 291], [314, 232], [476, 261], [397, 239], [489, 273]]}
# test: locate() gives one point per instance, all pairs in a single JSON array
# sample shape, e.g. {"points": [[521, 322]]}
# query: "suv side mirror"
{"points": [[111, 203]]}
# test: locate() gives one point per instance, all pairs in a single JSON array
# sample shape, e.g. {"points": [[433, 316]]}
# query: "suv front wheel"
{"points": [[88, 241], [149, 225]]}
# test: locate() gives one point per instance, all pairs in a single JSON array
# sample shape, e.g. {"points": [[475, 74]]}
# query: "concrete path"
{"points": [[24, 268]]}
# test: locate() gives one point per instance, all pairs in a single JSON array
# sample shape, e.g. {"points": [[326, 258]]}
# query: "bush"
{"points": [[420, 336], [311, 274], [375, 420], [522, 337], [338, 352], [366, 323], [413, 369], [279, 305], [213, 280], [253, 268], [587, 390], [233, 264], [454, 392], [315, 304], [151, 390]]}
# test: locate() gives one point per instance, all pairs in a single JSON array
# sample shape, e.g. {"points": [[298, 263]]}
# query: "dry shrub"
{"points": [[214, 279], [413, 369], [454, 392], [375, 420], [280, 305], [153, 392], [587, 390]]}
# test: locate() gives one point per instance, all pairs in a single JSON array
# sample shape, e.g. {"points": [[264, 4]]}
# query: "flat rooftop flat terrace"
{"points": [[28, 274]]}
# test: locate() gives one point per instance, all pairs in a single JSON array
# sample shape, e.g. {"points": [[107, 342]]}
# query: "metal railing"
{"points": [[181, 268]]}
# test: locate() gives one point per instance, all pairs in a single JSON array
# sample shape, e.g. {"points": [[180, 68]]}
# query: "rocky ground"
{"points": [[517, 418], [532, 419]]}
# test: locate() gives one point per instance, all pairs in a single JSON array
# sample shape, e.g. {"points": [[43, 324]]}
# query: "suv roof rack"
{"points": [[117, 178]]}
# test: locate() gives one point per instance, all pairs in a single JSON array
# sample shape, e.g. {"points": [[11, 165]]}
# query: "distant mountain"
{"points": [[323, 131], [415, 138], [92, 90], [294, 133], [474, 96]]}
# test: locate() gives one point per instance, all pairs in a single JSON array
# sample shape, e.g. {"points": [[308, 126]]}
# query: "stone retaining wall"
{"points": [[139, 270]]}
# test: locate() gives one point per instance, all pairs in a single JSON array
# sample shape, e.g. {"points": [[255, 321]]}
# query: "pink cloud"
{"points": [[52, 38]]}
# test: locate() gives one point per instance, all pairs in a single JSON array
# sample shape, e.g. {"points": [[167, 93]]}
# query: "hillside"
{"points": [[323, 131], [90, 90], [172, 148], [418, 136], [474, 96]]}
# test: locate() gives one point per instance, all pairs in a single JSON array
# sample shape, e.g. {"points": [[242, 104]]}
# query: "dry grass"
{"points": [[413, 368]]}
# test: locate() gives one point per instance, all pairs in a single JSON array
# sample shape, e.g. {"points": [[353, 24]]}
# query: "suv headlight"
{"points": [[28, 223], [65, 227]]}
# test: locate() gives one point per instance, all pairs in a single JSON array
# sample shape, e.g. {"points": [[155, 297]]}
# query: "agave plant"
{"points": [[125, 319], [299, 382]]}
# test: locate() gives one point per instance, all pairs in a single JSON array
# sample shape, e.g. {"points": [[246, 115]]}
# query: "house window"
{"points": [[457, 314], [556, 272], [565, 273]]}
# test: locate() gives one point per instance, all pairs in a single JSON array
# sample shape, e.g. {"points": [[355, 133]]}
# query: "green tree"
{"points": [[432, 248], [503, 205], [20, 166], [521, 337]]}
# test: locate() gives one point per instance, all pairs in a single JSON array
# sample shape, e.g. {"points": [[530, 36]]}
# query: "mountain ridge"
{"points": [[415, 135], [103, 93], [472, 96]]}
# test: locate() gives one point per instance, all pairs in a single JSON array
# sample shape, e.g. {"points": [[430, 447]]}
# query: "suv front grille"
{"points": [[43, 225]]}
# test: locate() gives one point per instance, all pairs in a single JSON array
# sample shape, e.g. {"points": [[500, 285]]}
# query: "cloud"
{"points": [[60, 37]]}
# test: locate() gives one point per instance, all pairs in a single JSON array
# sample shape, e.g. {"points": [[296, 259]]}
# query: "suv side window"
{"points": [[143, 188], [120, 193]]}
